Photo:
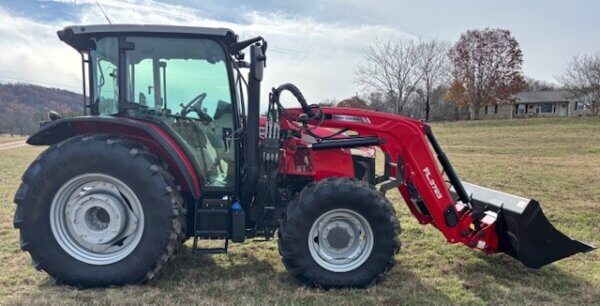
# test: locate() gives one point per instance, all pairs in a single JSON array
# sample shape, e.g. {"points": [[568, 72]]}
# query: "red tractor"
{"points": [[172, 146]]}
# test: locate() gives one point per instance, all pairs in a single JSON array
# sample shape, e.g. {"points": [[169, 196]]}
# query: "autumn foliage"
{"points": [[354, 102], [456, 93], [487, 68]]}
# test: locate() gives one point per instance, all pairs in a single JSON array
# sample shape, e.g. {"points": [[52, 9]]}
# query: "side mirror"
{"points": [[257, 62], [54, 115]]}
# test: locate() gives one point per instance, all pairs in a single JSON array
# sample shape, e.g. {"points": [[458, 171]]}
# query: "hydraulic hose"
{"points": [[297, 94]]}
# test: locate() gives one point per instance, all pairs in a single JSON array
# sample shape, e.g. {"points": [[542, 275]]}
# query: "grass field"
{"points": [[7, 139], [556, 161]]}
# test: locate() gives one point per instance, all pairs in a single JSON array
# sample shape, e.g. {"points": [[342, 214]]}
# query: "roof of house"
{"points": [[543, 96]]}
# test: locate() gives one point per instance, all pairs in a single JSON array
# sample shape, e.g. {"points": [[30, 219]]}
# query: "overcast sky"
{"points": [[314, 44]]}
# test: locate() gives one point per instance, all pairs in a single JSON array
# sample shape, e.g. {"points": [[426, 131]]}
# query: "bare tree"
{"points": [[582, 78], [442, 108], [532, 84], [487, 63], [434, 65], [392, 69], [378, 102], [329, 102]]}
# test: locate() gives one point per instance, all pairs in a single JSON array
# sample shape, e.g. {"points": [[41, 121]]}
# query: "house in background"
{"points": [[498, 111], [552, 103], [543, 103]]}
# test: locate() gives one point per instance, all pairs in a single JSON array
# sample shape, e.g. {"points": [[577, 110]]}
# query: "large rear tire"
{"points": [[340, 232], [97, 211]]}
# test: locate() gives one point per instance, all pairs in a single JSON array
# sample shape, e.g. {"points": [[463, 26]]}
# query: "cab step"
{"points": [[218, 219], [199, 250]]}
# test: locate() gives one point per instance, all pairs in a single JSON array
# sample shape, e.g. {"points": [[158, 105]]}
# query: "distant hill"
{"points": [[23, 106]]}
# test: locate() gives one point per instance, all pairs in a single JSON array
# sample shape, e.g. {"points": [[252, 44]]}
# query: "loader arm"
{"points": [[477, 218], [405, 142]]}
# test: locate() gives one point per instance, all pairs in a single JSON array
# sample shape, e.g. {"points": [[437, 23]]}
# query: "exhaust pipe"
{"points": [[523, 230], [251, 137]]}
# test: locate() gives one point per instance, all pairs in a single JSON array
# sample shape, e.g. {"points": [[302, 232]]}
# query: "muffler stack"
{"points": [[524, 231]]}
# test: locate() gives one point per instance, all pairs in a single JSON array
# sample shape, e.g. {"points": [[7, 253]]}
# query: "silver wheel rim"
{"points": [[97, 219], [340, 240]]}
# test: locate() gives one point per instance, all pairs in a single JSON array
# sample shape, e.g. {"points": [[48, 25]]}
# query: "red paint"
{"points": [[405, 138], [316, 164], [126, 128]]}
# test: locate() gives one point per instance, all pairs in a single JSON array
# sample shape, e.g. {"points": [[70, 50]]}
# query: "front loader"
{"points": [[172, 146]]}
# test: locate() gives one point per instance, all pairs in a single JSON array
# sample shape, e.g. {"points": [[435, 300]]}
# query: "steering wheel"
{"points": [[195, 105]]}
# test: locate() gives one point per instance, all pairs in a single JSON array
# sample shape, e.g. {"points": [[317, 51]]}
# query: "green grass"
{"points": [[556, 161]]}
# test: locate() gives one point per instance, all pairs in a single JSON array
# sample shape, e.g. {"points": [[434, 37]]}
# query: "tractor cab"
{"points": [[181, 77]]}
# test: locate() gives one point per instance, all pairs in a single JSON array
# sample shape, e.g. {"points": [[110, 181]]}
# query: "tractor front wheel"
{"points": [[340, 232], [97, 210]]}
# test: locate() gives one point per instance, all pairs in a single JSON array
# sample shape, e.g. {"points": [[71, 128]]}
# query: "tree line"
{"points": [[23, 106], [424, 79], [438, 80]]}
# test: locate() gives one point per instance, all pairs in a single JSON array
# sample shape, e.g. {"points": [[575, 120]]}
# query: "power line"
{"points": [[103, 12]]}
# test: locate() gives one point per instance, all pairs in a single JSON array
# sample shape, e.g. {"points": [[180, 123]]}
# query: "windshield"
{"points": [[163, 74], [170, 73]]}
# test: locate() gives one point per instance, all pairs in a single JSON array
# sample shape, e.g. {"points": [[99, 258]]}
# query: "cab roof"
{"points": [[78, 36]]}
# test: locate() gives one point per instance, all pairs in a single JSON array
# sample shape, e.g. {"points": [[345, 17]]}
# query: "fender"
{"points": [[159, 139]]}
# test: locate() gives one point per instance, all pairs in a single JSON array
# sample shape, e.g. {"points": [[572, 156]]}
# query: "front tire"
{"points": [[340, 232], [97, 211]]}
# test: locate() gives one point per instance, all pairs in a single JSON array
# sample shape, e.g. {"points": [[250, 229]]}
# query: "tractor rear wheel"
{"points": [[339, 232], [97, 210]]}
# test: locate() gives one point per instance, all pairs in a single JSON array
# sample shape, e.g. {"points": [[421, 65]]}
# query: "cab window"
{"points": [[104, 58]]}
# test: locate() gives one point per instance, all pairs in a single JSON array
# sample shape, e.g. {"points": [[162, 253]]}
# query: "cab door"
{"points": [[185, 83]]}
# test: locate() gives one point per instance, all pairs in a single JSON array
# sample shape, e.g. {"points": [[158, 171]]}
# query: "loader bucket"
{"points": [[524, 231]]}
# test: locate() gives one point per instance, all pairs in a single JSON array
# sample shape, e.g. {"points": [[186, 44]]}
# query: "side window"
{"points": [[106, 90]]}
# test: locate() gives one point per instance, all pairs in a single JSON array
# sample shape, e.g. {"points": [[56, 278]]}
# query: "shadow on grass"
{"points": [[500, 278], [403, 286], [243, 269], [246, 274], [252, 274]]}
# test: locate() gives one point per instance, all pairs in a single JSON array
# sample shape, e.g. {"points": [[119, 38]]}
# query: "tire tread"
{"points": [[295, 217], [139, 154]]}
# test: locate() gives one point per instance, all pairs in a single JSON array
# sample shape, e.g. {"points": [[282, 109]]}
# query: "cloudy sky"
{"points": [[315, 44]]}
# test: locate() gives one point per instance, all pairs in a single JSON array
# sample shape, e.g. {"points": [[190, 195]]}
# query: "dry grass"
{"points": [[7, 139], [556, 161]]}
